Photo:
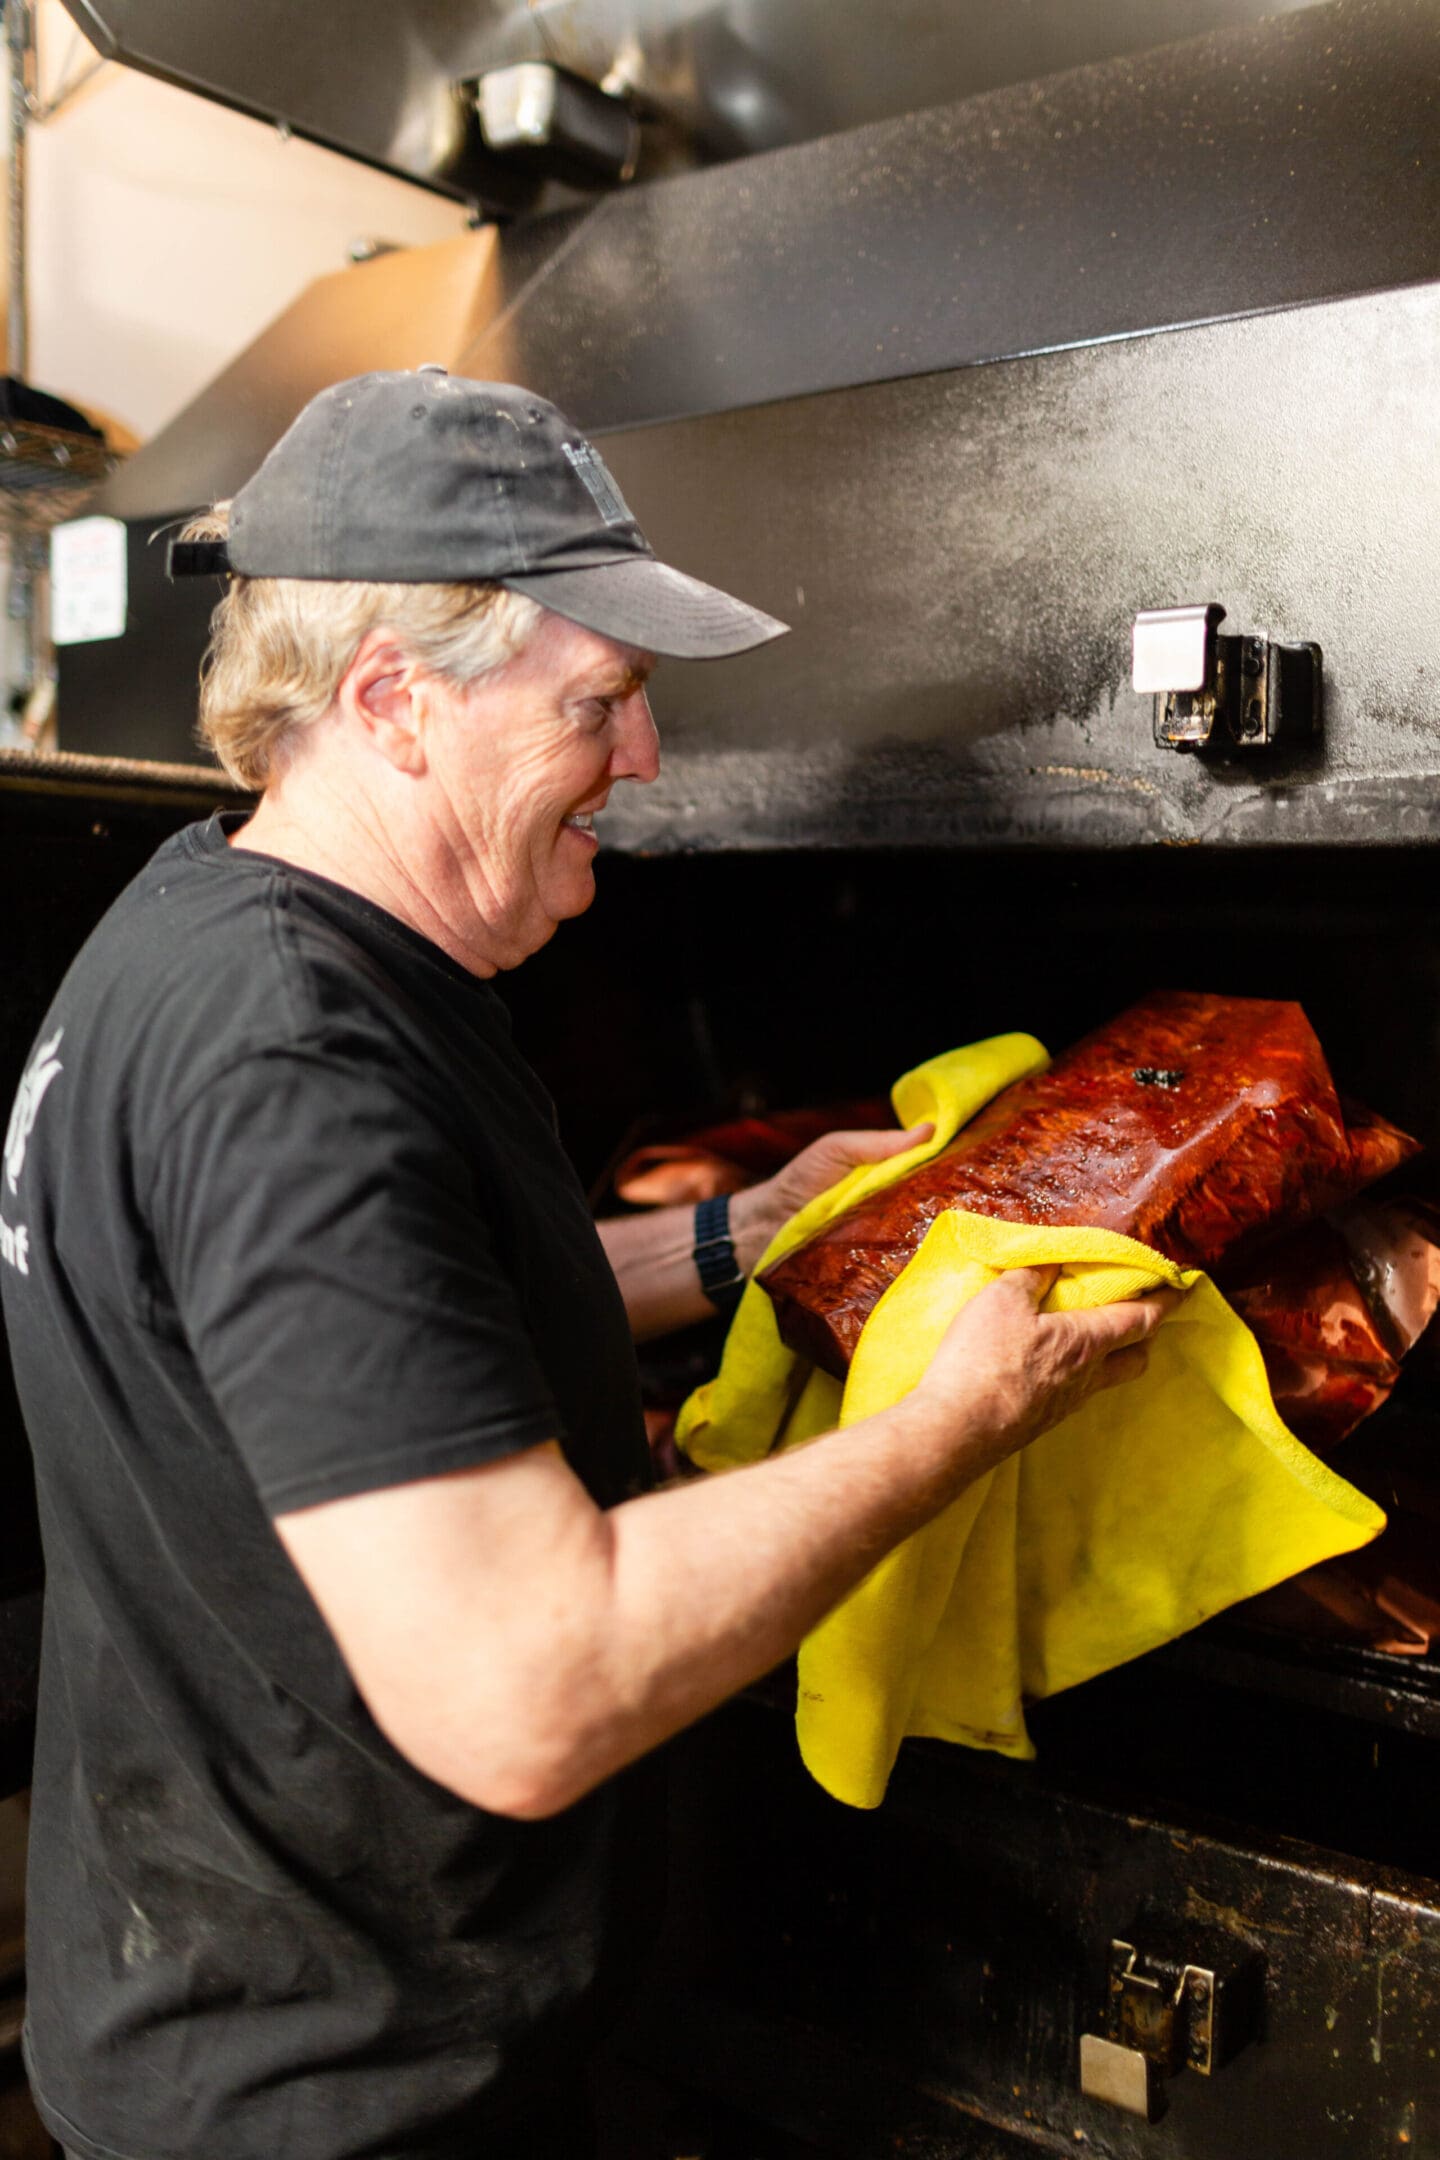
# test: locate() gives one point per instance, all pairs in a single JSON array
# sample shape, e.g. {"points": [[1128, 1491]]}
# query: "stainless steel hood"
{"points": [[1271, 165], [717, 78]]}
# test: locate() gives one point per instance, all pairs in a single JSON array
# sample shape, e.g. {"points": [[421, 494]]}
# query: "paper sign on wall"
{"points": [[87, 580]]}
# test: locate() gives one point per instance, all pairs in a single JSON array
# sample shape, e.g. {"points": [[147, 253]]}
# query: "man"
{"points": [[361, 1624]]}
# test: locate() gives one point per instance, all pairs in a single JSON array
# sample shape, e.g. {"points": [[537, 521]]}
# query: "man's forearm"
{"points": [[621, 1628], [519, 1645], [695, 1591], [745, 1565], [653, 1256]]}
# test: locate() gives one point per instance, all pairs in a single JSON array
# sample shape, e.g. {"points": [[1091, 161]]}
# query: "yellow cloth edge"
{"points": [[851, 1714], [764, 1396], [716, 1427], [1001, 1246]]}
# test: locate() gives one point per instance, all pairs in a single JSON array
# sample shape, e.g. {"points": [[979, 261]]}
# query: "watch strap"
{"points": [[721, 1277]]}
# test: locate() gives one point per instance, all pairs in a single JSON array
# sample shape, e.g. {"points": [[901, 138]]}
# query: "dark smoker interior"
{"points": [[698, 987], [840, 1976]]}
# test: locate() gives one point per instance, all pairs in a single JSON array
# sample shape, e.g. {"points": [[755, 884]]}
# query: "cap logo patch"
{"points": [[594, 473]]}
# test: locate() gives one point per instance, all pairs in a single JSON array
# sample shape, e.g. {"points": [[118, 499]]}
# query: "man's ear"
{"points": [[382, 692]]}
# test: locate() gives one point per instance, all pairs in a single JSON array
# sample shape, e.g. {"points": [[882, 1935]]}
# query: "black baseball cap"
{"points": [[429, 478]]}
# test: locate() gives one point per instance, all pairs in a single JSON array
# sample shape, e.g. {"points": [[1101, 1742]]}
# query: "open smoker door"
{"points": [[918, 1980], [1256, 1800]]}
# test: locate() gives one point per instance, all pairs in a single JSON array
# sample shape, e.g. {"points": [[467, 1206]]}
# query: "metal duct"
{"points": [[375, 77], [1282, 163]]}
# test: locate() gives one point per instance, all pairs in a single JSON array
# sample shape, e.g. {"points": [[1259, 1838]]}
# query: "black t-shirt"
{"points": [[283, 1217]]}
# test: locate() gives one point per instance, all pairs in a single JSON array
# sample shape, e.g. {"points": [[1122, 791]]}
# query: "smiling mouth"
{"points": [[583, 821]]}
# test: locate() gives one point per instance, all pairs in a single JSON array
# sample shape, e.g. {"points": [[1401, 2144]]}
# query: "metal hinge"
{"points": [[1223, 693]]}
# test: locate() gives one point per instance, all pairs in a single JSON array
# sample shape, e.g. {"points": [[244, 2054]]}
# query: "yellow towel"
{"points": [[1153, 1507]]}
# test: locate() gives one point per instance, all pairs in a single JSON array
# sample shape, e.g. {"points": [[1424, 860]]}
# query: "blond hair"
{"points": [[280, 647]]}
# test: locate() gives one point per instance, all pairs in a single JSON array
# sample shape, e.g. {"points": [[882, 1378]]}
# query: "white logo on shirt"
{"points": [[42, 1069]]}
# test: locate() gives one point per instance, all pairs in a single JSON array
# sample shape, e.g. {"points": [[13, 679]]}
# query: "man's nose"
{"points": [[637, 747]]}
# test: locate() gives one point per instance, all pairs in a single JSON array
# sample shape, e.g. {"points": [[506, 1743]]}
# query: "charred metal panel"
{"points": [[917, 1980], [962, 556], [1291, 160]]}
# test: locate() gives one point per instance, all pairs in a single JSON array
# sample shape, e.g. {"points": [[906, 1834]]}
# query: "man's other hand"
{"points": [[756, 1214]]}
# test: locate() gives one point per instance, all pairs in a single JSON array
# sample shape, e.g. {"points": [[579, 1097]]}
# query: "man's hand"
{"points": [[1005, 1371], [652, 1254], [756, 1214]]}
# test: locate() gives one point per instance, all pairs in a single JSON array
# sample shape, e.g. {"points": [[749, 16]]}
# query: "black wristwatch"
{"points": [[721, 1277]]}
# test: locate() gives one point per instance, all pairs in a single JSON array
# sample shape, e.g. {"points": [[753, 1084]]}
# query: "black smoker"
{"points": [[962, 395]]}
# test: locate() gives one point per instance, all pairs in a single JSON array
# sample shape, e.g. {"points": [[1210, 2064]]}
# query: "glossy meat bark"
{"points": [[1334, 1308], [1194, 1123], [1394, 1247], [1326, 1360]]}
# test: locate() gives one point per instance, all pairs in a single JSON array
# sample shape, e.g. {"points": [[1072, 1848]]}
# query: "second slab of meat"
{"points": [[1196, 1124]]}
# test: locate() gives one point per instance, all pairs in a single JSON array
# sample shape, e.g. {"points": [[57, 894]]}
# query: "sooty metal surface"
{"points": [[962, 556], [962, 547], [915, 1981], [1289, 160]]}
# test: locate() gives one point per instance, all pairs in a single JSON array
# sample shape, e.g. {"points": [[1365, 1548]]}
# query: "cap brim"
{"points": [[643, 602]]}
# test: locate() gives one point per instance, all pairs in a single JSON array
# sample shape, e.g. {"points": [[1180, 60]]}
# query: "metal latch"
{"points": [[1170, 2012], [1223, 693]]}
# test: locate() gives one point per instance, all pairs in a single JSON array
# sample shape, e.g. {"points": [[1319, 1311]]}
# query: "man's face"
{"points": [[521, 762]]}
